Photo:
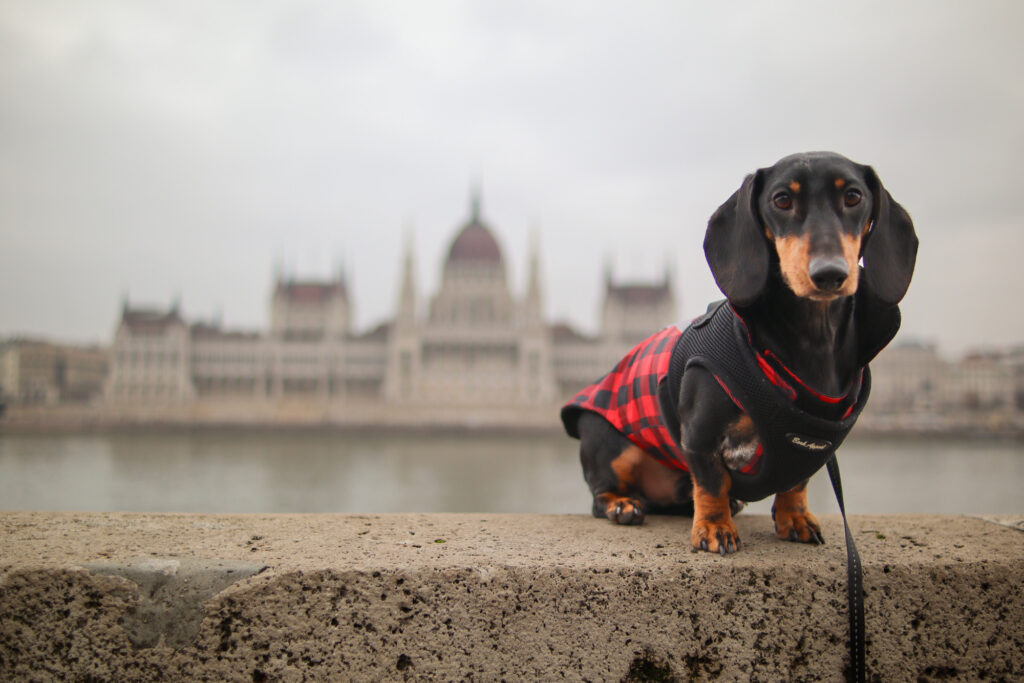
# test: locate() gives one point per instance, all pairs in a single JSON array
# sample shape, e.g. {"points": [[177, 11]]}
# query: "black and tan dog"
{"points": [[813, 255]]}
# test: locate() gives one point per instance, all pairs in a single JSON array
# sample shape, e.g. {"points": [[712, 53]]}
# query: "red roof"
{"points": [[563, 332], [474, 243], [311, 292], [202, 330], [147, 321], [639, 295], [379, 333]]}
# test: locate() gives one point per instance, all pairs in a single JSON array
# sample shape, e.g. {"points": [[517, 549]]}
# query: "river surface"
{"points": [[267, 472]]}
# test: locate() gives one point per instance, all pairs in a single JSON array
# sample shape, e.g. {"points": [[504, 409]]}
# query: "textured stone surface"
{"points": [[490, 597], [172, 594]]}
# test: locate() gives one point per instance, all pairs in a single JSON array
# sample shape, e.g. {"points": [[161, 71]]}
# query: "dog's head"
{"points": [[816, 215]]}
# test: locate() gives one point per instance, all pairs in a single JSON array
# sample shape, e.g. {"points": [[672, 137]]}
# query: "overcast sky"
{"points": [[181, 149]]}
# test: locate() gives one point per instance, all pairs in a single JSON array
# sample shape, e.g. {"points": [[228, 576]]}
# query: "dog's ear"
{"points": [[735, 245], [890, 248]]}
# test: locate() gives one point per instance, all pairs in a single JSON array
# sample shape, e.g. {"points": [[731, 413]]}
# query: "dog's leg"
{"points": [[793, 521], [713, 528], [609, 462], [706, 414]]}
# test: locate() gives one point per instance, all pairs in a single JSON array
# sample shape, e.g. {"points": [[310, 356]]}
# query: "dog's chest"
{"points": [[739, 443]]}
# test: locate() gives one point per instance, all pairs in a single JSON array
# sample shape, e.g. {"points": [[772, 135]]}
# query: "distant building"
{"points": [[477, 343], [631, 311], [471, 353], [36, 372], [151, 357], [987, 382], [476, 350], [911, 378]]}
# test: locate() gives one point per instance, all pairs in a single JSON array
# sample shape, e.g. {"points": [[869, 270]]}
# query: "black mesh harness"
{"points": [[796, 443]]}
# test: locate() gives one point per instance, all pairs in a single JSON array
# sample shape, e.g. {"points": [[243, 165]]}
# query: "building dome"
{"points": [[475, 242]]}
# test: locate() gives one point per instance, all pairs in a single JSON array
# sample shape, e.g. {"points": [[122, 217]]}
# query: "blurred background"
{"points": [[312, 256]]}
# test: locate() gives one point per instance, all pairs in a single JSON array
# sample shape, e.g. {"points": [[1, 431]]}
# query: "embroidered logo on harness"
{"points": [[808, 443]]}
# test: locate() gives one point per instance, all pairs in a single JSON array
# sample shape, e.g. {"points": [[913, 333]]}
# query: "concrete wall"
{"points": [[105, 597]]}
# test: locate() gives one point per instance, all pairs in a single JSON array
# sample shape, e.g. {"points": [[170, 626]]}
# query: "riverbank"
{"points": [[368, 419]]}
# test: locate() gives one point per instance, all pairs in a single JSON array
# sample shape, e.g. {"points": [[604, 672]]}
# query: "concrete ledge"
{"points": [[104, 597]]}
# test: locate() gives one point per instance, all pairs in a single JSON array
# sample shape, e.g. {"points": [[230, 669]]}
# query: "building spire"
{"points": [[533, 302], [474, 201], [533, 281], [407, 293]]}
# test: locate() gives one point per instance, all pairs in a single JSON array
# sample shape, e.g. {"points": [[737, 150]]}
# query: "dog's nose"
{"points": [[828, 274]]}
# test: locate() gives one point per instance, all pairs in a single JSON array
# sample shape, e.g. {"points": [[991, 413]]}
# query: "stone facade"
{"points": [[476, 344], [912, 378], [917, 390], [151, 357], [36, 372], [475, 349]]}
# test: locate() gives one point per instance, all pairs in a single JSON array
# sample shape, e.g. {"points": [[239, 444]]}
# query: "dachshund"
{"points": [[813, 255]]}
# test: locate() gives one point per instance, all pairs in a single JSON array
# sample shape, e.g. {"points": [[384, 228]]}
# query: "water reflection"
{"points": [[330, 472]]}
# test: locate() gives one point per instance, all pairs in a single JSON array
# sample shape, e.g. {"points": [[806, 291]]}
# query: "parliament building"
{"points": [[477, 355]]}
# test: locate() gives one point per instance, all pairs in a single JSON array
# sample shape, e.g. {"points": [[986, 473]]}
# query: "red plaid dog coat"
{"points": [[628, 398], [798, 427]]}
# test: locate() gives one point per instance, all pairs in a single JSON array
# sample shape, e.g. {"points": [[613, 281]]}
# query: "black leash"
{"points": [[854, 582]]}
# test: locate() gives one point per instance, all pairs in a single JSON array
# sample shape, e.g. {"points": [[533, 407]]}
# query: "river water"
{"points": [[268, 472]]}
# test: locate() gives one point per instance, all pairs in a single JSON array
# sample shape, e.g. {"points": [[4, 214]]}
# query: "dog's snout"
{"points": [[828, 274]]}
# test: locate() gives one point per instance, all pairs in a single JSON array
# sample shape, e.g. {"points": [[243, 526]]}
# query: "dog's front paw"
{"points": [[797, 525], [716, 536], [622, 510]]}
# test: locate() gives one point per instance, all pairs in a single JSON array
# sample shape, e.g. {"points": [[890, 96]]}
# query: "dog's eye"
{"points": [[852, 197], [782, 200]]}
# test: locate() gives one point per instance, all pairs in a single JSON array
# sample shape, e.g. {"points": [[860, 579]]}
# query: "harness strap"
{"points": [[854, 582]]}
